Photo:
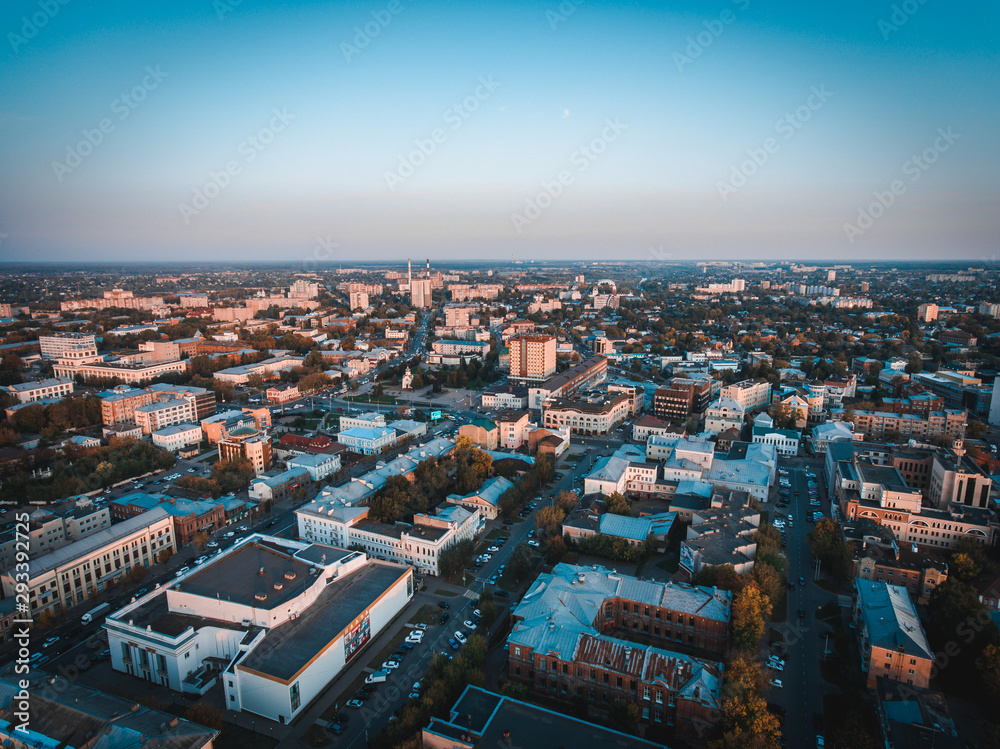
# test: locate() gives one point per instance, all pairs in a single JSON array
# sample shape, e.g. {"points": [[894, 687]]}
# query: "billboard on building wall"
{"points": [[355, 638]]}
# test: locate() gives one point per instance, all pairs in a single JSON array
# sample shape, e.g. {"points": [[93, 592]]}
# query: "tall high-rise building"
{"points": [[78, 347], [420, 293], [532, 358], [358, 299]]}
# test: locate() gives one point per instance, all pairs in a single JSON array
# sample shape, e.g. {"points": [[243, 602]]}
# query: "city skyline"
{"points": [[230, 132]]}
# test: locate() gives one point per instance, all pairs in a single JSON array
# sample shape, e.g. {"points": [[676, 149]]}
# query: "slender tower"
{"points": [[409, 272], [428, 267]]}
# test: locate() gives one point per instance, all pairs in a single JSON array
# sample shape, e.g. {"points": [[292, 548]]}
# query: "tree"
{"points": [[46, 621], [826, 542], [521, 561], [164, 556], [616, 504], [769, 580], [205, 714], [963, 567], [723, 577], [200, 539], [455, 557], [988, 667], [625, 715], [550, 519], [750, 608]]}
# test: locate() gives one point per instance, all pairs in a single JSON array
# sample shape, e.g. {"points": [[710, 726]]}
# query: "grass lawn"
{"points": [[316, 736], [498, 533], [367, 398], [670, 564], [780, 611], [238, 737], [445, 592], [384, 653], [427, 614]]}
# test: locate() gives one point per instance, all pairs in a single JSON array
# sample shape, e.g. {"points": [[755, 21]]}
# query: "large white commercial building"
{"points": [[70, 575], [419, 544], [275, 621]]}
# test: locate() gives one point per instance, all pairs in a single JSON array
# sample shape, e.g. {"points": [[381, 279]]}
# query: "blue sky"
{"points": [[532, 129]]}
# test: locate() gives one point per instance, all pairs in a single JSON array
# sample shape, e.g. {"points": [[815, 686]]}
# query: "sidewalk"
{"points": [[290, 735]]}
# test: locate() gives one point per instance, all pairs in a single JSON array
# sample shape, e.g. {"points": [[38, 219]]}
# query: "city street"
{"points": [[801, 693]]}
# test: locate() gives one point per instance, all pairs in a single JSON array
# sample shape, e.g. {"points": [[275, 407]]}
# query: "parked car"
{"points": [[533, 543], [459, 636], [444, 605], [469, 624], [501, 594], [390, 665], [775, 683], [453, 642], [355, 703]]}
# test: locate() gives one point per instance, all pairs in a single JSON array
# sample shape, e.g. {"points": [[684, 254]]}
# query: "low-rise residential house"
{"points": [[891, 639], [483, 432], [319, 465], [274, 487], [721, 534], [486, 499], [190, 516]]}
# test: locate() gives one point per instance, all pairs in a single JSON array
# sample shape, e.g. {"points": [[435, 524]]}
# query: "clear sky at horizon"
{"points": [[249, 131]]}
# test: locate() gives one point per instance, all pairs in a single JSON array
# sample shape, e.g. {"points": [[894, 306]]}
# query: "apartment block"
{"points": [[68, 576], [532, 358], [748, 393]]}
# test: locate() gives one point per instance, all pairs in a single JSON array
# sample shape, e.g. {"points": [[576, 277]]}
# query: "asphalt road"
{"points": [[801, 693]]}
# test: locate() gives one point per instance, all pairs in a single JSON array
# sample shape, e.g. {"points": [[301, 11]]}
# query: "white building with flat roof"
{"points": [[419, 544], [367, 441], [319, 466], [36, 390], [177, 436], [275, 621]]}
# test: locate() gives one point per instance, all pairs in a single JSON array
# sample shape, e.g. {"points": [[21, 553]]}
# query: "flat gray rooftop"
{"points": [[488, 715], [251, 569], [288, 648]]}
